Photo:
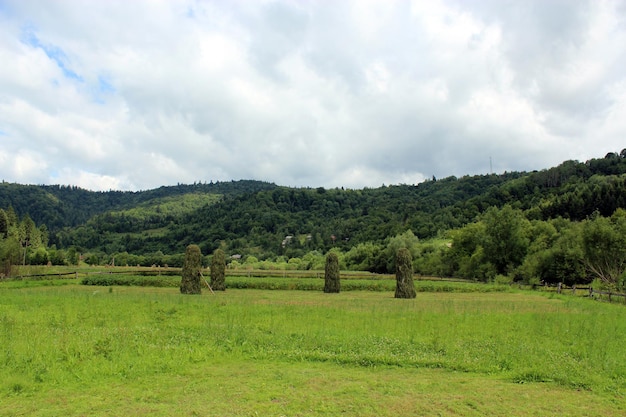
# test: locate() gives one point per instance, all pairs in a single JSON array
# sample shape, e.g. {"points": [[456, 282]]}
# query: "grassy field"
{"points": [[292, 283], [83, 350]]}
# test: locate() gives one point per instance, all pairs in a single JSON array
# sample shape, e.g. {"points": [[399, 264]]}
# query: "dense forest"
{"points": [[530, 226]]}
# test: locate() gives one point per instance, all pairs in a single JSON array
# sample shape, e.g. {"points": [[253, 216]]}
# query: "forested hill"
{"points": [[251, 217], [59, 206]]}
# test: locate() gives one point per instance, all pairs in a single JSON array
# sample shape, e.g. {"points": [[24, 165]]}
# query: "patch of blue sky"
{"points": [[29, 37], [5, 8], [104, 85], [102, 89]]}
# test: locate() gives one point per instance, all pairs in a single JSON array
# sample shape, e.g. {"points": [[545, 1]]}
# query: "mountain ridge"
{"points": [[256, 217]]}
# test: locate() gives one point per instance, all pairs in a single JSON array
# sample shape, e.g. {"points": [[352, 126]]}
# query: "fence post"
{"points": [[590, 292], [574, 289], [558, 289]]}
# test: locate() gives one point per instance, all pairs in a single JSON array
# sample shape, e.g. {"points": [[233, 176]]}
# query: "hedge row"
{"points": [[108, 280]]}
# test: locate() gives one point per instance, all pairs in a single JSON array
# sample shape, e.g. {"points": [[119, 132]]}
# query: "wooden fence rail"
{"points": [[609, 294], [591, 292], [48, 276]]}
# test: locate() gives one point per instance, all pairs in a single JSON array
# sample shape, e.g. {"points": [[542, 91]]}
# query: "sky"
{"points": [[134, 95]]}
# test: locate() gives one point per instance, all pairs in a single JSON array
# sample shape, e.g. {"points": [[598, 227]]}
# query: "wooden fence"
{"points": [[611, 296], [591, 293], [35, 277]]}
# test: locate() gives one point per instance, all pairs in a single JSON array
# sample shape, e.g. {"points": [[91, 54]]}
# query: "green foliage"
{"points": [[404, 274], [556, 257], [218, 270], [131, 280], [332, 282], [4, 224], [190, 280], [366, 257], [431, 259], [604, 247], [514, 225], [406, 240], [505, 242], [10, 254], [466, 253]]}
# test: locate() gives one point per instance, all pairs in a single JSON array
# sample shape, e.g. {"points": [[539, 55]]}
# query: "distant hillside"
{"points": [[59, 206], [261, 219]]}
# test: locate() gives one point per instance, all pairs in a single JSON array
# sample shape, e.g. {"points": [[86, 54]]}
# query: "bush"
{"points": [[107, 280]]}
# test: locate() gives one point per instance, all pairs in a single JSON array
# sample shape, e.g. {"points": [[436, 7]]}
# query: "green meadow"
{"points": [[125, 350]]}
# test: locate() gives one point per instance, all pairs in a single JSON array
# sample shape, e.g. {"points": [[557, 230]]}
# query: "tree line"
{"points": [[454, 226]]}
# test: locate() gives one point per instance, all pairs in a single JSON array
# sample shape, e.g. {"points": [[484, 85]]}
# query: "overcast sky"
{"points": [[132, 95]]}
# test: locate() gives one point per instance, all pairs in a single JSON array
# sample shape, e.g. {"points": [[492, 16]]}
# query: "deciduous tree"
{"points": [[604, 247], [505, 243], [9, 255], [4, 224]]}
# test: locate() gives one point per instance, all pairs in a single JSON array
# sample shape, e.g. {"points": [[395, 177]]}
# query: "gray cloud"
{"points": [[354, 93]]}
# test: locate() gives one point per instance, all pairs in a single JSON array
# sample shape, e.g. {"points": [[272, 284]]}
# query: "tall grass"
{"points": [[73, 335], [294, 283]]}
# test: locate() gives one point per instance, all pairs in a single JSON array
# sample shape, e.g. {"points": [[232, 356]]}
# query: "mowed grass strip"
{"points": [[79, 350]]}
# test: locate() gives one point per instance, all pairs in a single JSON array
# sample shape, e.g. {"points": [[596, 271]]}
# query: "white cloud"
{"points": [[356, 93]]}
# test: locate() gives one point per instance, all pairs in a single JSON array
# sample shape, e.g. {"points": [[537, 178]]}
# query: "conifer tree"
{"points": [[218, 271], [404, 274], [331, 274], [190, 282], [4, 224]]}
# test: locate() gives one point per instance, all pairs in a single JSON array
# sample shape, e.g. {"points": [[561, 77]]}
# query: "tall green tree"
{"points": [[11, 217], [218, 270], [466, 256], [4, 224], [405, 240], [604, 247], [505, 241], [190, 279], [10, 255]]}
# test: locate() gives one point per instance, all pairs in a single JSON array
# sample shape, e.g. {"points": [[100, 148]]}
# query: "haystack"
{"points": [[404, 274], [190, 282]]}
